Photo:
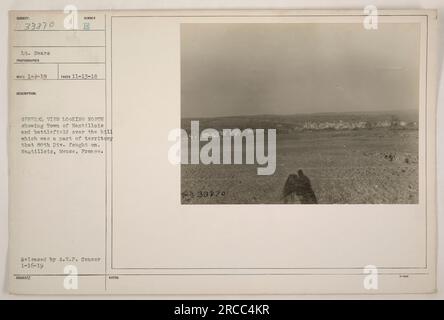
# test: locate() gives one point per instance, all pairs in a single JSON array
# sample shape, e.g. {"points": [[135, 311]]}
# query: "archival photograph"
{"points": [[299, 113]]}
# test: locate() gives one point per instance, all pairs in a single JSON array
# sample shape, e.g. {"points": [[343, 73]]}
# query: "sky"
{"points": [[236, 69]]}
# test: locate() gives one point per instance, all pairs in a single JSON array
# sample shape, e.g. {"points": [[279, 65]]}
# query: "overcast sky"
{"points": [[246, 69]]}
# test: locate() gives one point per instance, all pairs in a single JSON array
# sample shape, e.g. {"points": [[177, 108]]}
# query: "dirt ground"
{"points": [[364, 166]]}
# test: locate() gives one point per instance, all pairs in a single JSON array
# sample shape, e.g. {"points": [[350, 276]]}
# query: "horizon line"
{"points": [[300, 113]]}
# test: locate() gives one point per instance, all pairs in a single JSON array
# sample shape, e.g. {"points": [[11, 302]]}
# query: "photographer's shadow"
{"points": [[298, 185]]}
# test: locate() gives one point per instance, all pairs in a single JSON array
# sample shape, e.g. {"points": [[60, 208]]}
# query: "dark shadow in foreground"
{"points": [[298, 184]]}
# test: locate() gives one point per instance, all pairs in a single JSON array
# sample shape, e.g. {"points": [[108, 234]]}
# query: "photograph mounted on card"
{"points": [[222, 152]]}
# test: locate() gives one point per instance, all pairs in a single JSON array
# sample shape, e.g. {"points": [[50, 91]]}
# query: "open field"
{"points": [[350, 159]]}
